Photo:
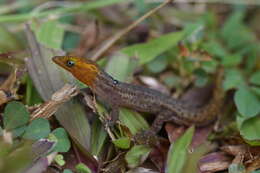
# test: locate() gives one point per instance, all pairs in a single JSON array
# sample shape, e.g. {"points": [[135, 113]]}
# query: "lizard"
{"points": [[119, 94]]}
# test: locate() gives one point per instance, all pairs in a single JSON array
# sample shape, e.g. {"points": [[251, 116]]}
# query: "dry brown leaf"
{"points": [[214, 162]]}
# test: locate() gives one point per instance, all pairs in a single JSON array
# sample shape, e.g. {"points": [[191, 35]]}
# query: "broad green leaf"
{"points": [[233, 79], [39, 128], [158, 64], [82, 168], [123, 143], [209, 66], [215, 49], [177, 154], [193, 32], [1, 131], [255, 78], [121, 67], [232, 60], [15, 115], [171, 80], [236, 34], [256, 90], [50, 34], [247, 103], [250, 128], [98, 137], [70, 41], [148, 51], [18, 131], [133, 120], [231, 29], [136, 155], [63, 143], [236, 168]]}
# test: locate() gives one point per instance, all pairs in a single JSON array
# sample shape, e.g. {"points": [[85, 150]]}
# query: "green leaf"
{"points": [[236, 168], [98, 136], [178, 152], [15, 115], [1, 131], [201, 78], [209, 66], [233, 79], [82, 168], [256, 90], [79, 7], [121, 67], [67, 171], [59, 159], [235, 33], [50, 34], [171, 80], [63, 144], [250, 128], [8, 41], [70, 41], [123, 142], [39, 128], [133, 120], [15, 158], [158, 64], [232, 60], [193, 158], [136, 155], [215, 48], [18, 131], [148, 51], [247, 103], [255, 78], [32, 96]]}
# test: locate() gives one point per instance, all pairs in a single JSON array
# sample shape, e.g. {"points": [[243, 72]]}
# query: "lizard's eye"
{"points": [[70, 63]]}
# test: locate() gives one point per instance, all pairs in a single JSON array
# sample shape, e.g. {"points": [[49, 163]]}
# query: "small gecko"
{"points": [[119, 94]]}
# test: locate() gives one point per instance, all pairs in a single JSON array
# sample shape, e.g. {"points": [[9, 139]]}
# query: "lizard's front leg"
{"points": [[113, 116]]}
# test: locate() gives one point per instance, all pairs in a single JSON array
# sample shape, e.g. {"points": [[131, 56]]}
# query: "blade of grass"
{"points": [[81, 7]]}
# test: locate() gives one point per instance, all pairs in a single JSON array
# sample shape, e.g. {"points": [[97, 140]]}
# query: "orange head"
{"points": [[83, 69]]}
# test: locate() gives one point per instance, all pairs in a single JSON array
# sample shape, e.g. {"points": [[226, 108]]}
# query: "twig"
{"points": [[58, 98], [117, 36]]}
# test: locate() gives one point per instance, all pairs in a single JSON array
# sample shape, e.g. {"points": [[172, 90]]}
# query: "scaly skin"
{"points": [[118, 94]]}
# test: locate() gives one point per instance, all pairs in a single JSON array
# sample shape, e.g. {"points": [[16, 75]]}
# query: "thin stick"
{"points": [[117, 36]]}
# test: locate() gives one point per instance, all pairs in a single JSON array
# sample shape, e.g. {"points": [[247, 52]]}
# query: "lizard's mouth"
{"points": [[57, 60]]}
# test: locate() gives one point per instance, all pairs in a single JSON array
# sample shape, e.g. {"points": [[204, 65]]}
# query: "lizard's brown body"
{"points": [[118, 94]]}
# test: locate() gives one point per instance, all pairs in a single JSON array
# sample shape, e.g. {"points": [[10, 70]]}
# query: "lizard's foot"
{"points": [[146, 137], [109, 123]]}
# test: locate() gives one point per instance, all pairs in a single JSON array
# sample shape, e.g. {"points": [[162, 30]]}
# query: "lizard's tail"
{"points": [[210, 111]]}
